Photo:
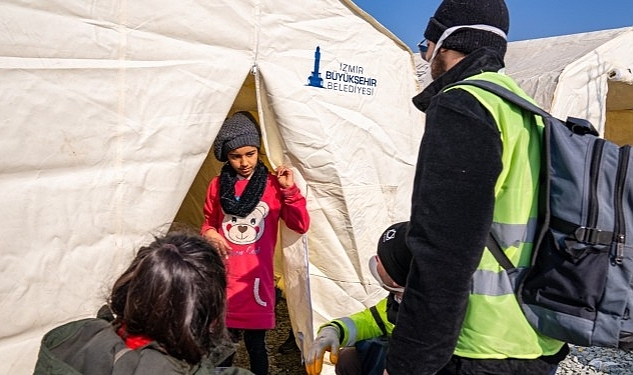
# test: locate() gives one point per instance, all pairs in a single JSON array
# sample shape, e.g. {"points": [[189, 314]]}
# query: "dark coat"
{"points": [[92, 347], [452, 208]]}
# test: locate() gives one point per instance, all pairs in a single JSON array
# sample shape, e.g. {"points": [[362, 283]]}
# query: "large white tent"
{"points": [[587, 75], [109, 110]]}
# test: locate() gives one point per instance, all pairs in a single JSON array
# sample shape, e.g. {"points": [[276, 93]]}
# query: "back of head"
{"points": [[174, 292], [452, 13], [394, 253]]}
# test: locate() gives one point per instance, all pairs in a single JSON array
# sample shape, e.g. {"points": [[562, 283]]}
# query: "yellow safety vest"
{"points": [[494, 326]]}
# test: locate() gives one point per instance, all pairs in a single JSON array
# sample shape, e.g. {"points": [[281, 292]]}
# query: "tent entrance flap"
{"points": [[190, 212], [291, 264]]}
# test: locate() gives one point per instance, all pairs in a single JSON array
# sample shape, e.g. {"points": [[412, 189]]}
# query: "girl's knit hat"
{"points": [[237, 131]]}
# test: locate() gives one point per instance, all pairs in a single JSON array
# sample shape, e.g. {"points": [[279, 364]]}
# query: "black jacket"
{"points": [[452, 205]]}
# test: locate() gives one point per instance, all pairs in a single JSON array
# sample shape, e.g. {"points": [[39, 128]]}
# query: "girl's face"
{"points": [[243, 160]]}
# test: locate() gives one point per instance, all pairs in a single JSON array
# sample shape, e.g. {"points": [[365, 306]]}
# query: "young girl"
{"points": [[165, 315], [242, 211]]}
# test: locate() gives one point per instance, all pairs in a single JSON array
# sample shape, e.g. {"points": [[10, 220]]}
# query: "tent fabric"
{"points": [[569, 75], [536, 64], [110, 109]]}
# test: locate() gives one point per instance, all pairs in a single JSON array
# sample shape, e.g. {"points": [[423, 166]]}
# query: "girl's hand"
{"points": [[284, 177], [218, 242]]}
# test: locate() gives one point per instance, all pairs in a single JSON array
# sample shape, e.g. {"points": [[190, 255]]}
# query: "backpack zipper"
{"points": [[596, 158], [619, 232]]}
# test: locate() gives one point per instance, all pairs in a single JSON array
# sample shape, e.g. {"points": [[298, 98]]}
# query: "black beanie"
{"points": [[470, 12], [394, 253], [237, 131]]}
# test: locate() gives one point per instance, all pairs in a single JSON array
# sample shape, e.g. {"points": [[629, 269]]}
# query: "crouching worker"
{"points": [[364, 335], [165, 315]]}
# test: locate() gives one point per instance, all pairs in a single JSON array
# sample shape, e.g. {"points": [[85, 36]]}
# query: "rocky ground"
{"points": [[287, 363], [581, 361]]}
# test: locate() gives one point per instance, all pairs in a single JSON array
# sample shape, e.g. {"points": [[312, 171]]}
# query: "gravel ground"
{"points": [[279, 364], [580, 361], [594, 361]]}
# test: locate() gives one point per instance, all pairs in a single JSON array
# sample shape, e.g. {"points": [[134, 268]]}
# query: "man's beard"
{"points": [[438, 66]]}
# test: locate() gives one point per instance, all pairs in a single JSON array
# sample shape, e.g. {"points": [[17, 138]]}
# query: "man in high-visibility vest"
{"points": [[363, 336], [477, 173]]}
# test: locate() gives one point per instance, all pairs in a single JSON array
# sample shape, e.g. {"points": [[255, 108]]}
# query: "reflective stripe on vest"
{"points": [[508, 235], [496, 283], [492, 283]]}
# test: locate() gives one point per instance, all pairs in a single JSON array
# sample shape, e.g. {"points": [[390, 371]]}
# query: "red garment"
{"points": [[133, 341], [250, 277]]}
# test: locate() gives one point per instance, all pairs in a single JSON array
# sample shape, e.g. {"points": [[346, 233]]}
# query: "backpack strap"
{"points": [[378, 319], [503, 93], [500, 256], [575, 125]]}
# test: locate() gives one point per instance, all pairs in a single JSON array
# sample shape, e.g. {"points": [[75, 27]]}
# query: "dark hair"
{"points": [[174, 291]]}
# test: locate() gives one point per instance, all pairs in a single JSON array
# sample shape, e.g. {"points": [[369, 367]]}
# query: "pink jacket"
{"points": [[251, 289]]}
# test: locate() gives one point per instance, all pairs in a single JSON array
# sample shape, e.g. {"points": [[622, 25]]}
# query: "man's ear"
{"points": [[445, 50], [453, 54]]}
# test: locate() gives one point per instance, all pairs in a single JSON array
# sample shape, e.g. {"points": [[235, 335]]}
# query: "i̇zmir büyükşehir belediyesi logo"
{"points": [[348, 78]]}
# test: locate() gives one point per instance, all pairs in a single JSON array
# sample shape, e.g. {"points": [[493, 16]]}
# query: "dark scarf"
{"points": [[253, 193]]}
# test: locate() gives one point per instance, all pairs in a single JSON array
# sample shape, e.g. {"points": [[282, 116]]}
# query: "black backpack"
{"points": [[579, 286]]}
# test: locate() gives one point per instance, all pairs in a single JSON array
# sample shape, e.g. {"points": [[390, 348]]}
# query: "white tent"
{"points": [[587, 75], [109, 109]]}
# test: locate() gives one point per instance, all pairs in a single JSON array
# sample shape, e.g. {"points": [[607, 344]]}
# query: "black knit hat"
{"points": [[237, 131], [470, 12], [394, 253]]}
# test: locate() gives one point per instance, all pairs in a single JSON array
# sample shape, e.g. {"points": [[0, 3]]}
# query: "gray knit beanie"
{"points": [[470, 12], [237, 131]]}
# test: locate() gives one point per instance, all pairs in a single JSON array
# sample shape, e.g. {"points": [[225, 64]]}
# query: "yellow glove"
{"points": [[327, 340]]}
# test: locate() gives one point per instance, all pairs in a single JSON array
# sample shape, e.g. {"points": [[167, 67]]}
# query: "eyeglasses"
{"points": [[423, 46]]}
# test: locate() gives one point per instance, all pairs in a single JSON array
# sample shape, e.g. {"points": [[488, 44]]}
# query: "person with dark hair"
{"points": [[243, 207], [165, 315], [477, 175], [364, 335]]}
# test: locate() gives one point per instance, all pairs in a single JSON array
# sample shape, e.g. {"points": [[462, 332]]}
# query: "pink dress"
{"points": [[251, 289]]}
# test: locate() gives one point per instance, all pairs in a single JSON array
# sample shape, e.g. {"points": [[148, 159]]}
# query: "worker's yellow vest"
{"points": [[495, 327]]}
